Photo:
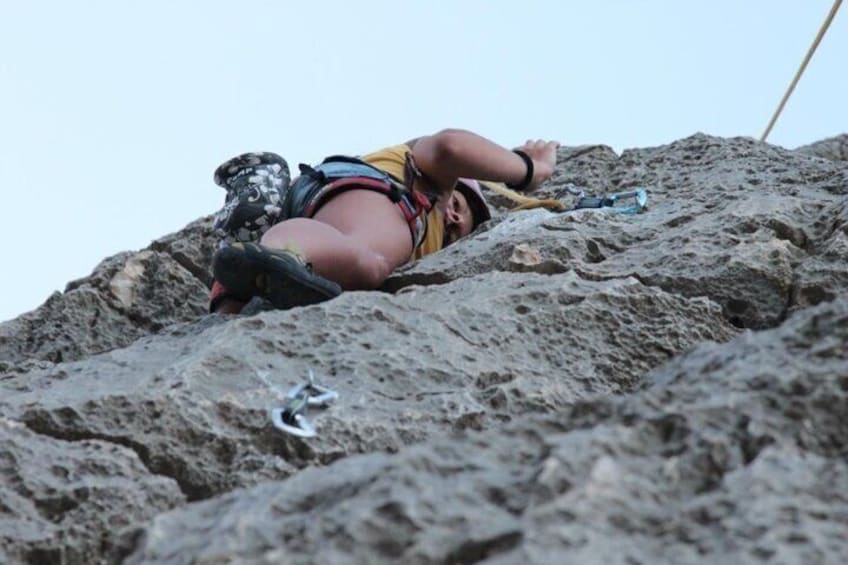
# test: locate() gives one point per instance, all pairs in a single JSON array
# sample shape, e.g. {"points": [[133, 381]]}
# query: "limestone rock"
{"points": [[576, 387], [821, 276], [126, 297], [67, 501], [834, 148], [194, 401], [729, 219], [731, 453]]}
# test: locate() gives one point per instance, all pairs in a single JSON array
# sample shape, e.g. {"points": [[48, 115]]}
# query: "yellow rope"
{"points": [[524, 202], [528, 202], [809, 56]]}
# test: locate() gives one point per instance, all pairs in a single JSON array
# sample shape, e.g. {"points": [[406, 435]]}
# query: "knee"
{"points": [[373, 269], [285, 233]]}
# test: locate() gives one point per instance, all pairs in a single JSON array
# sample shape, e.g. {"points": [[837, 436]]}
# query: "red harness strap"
{"points": [[411, 203]]}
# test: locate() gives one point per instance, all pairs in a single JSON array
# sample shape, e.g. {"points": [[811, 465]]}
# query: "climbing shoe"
{"points": [[256, 184], [281, 276]]}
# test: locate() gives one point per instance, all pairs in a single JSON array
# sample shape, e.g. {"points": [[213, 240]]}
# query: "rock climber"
{"points": [[348, 223]]}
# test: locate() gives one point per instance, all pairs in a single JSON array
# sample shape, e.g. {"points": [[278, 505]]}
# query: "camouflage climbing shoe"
{"points": [[256, 184], [281, 276]]}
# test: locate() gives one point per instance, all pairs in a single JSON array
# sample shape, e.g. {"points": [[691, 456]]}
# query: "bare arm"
{"points": [[453, 153]]}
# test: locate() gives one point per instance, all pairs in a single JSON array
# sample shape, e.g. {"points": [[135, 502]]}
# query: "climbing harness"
{"points": [[291, 418], [338, 173], [613, 202], [809, 55]]}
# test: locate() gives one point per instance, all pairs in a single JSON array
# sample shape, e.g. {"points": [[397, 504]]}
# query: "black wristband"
{"points": [[528, 178]]}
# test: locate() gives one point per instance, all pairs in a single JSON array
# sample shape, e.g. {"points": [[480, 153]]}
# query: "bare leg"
{"points": [[356, 239]]}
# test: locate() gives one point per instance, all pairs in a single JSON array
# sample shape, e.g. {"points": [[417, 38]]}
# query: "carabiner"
{"points": [[300, 426], [609, 201], [640, 195], [291, 418]]}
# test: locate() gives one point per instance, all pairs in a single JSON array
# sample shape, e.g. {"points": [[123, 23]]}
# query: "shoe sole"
{"points": [[249, 271]]}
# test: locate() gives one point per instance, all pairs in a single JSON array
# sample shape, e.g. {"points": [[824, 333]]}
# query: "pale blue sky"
{"points": [[114, 114]]}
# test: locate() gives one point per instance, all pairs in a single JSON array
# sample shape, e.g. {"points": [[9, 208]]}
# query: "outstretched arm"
{"points": [[453, 153]]}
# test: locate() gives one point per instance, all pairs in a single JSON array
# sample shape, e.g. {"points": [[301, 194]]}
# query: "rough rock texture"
{"points": [[128, 296], [821, 275], [581, 387], [835, 148], [729, 219], [193, 402], [60, 501], [730, 453]]}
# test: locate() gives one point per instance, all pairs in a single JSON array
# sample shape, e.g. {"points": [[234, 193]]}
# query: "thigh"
{"points": [[372, 220]]}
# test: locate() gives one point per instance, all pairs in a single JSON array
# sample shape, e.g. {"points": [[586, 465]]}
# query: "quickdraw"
{"points": [[612, 201], [291, 418]]}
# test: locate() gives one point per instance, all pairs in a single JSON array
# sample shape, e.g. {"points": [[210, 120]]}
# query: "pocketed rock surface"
{"points": [[583, 387], [669, 473], [834, 148], [127, 296]]}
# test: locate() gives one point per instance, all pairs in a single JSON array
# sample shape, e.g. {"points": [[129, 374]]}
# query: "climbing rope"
{"points": [[525, 202], [803, 66]]}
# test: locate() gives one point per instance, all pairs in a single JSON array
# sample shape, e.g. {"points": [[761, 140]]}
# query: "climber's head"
{"points": [[466, 210]]}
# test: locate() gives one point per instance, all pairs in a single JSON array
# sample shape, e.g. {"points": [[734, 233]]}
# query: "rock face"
{"points": [[128, 296], [730, 220], [834, 148], [61, 499], [579, 387], [731, 453]]}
